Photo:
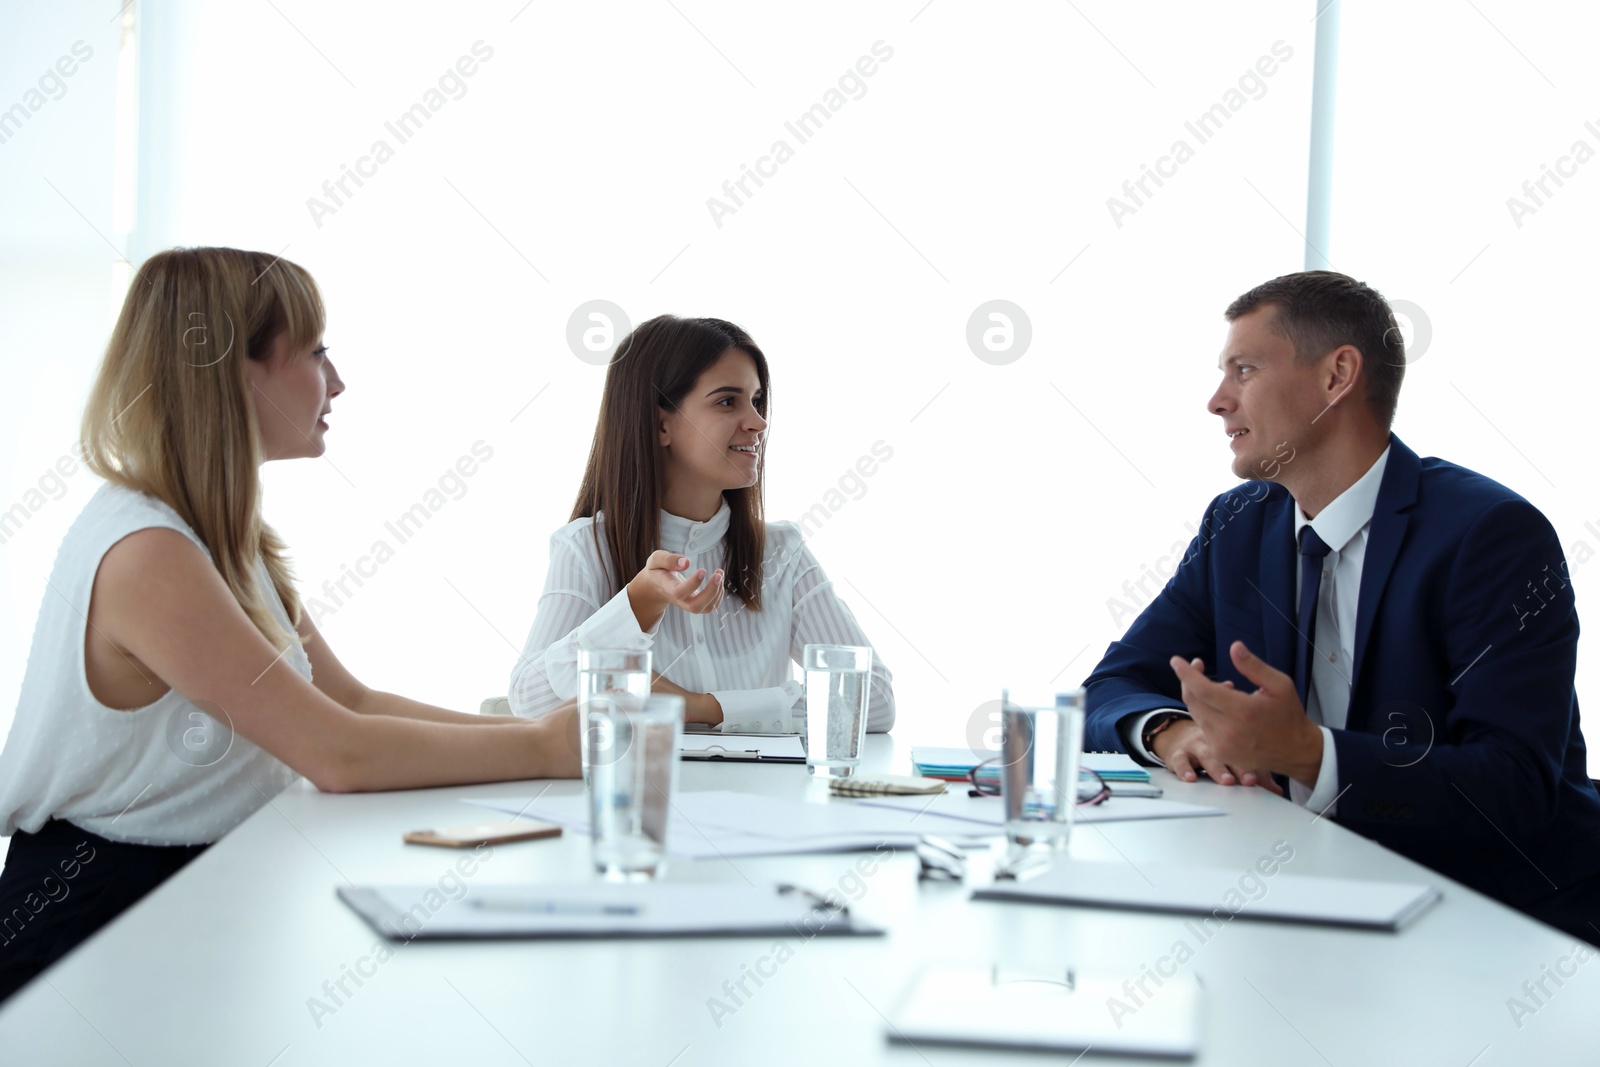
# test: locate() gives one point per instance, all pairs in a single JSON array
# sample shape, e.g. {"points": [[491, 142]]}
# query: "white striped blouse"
{"points": [[741, 657]]}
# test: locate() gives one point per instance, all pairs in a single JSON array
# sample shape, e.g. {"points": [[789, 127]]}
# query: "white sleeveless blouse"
{"points": [[164, 774]]}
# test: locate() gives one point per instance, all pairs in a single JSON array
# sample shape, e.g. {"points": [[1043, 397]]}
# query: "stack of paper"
{"points": [[1115, 767], [947, 763]]}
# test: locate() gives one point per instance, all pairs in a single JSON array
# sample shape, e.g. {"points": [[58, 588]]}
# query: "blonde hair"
{"points": [[171, 415]]}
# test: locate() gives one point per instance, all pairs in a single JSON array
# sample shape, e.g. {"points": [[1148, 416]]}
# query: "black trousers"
{"points": [[62, 884]]}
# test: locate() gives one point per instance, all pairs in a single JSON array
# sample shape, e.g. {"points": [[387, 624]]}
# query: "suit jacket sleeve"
{"points": [[1134, 675], [1488, 767]]}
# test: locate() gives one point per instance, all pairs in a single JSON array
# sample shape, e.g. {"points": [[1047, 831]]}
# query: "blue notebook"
{"points": [[953, 764]]}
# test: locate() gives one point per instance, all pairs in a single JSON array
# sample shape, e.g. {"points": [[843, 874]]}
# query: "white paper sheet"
{"points": [[987, 810], [722, 823]]}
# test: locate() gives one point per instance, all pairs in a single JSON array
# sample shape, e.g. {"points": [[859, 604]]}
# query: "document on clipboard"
{"points": [[590, 910], [745, 748]]}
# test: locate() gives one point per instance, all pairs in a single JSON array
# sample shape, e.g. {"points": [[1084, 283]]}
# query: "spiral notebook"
{"points": [[880, 785]]}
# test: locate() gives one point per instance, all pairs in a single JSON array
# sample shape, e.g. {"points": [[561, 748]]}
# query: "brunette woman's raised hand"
{"points": [[664, 582]]}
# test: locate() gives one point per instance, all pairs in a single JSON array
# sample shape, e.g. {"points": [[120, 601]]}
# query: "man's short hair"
{"points": [[1319, 310]]}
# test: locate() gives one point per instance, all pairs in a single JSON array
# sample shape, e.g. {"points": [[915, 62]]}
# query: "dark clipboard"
{"points": [[730, 748]]}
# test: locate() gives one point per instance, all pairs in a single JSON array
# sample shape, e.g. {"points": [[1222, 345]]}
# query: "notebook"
{"points": [[1068, 1012], [956, 763], [1223, 893], [877, 785], [589, 909]]}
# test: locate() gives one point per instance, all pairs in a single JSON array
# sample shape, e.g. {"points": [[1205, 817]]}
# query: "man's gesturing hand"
{"points": [[1267, 729], [1186, 751]]}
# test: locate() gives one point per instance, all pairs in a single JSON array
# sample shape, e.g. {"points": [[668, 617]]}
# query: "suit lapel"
{"points": [[1276, 584], [1396, 494]]}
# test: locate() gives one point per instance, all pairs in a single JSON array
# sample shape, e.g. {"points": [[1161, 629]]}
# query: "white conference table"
{"points": [[218, 966]]}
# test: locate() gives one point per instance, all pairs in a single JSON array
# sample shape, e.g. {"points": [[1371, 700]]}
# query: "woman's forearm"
{"points": [[376, 702], [383, 752]]}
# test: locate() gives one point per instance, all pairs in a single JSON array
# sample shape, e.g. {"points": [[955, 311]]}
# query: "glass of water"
{"points": [[1041, 747], [607, 678], [633, 776], [838, 685]]}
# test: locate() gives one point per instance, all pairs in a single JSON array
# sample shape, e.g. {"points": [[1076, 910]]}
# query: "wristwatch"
{"points": [[1154, 727]]}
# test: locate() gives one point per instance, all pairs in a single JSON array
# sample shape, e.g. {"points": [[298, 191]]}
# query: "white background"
{"points": [[976, 166]]}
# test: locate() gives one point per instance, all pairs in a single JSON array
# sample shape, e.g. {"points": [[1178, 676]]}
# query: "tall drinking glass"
{"points": [[838, 686], [607, 678], [633, 775], [1041, 747]]}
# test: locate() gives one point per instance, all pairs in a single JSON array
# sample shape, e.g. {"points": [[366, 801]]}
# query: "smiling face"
{"points": [[1267, 398], [292, 391], [713, 441]]}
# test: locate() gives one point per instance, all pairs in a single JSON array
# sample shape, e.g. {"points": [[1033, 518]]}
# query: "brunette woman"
{"points": [[668, 548]]}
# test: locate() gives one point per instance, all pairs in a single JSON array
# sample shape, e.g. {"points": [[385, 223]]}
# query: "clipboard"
{"points": [[1205, 891], [600, 910], [738, 748]]}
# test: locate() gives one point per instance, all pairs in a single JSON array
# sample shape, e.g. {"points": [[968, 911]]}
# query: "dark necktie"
{"points": [[1313, 550]]}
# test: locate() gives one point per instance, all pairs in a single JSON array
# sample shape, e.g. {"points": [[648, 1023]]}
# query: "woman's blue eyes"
{"points": [[321, 353]]}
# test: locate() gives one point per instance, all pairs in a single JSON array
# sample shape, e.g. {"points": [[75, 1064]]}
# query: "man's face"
{"points": [[1268, 402]]}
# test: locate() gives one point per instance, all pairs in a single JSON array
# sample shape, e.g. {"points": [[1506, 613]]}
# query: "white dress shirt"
{"points": [[1343, 526], [741, 657]]}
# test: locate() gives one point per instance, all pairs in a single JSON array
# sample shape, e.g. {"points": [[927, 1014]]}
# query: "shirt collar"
{"points": [[1350, 511], [679, 534]]}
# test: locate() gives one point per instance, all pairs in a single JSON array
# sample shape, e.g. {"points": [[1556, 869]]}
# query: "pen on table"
{"points": [[552, 907]]}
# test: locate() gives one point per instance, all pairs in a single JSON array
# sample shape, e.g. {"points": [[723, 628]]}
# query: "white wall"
{"points": [[977, 166], [59, 288]]}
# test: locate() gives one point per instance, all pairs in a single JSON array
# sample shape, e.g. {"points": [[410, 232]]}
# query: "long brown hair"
{"points": [[171, 415], [655, 367]]}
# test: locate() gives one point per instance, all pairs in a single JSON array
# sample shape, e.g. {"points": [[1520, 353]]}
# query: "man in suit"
{"points": [[1390, 640]]}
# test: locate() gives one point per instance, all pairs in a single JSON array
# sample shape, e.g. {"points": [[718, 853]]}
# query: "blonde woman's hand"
{"points": [[665, 582]]}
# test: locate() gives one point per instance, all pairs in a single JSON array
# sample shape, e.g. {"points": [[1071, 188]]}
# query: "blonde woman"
{"points": [[174, 685]]}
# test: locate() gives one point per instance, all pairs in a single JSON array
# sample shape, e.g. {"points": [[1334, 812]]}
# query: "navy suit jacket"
{"points": [[1462, 749]]}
